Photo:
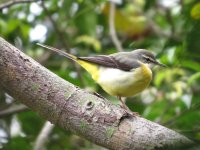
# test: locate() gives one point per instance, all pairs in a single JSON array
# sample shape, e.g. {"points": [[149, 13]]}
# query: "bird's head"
{"points": [[147, 57]]}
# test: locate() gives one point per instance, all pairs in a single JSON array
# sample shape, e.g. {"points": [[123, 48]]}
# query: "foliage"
{"points": [[81, 27]]}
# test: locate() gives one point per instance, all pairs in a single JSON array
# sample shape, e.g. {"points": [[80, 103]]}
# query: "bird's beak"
{"points": [[160, 64]]}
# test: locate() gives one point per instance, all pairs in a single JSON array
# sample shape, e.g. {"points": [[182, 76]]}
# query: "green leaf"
{"points": [[194, 78], [18, 143], [29, 119], [191, 65], [195, 12], [88, 40]]}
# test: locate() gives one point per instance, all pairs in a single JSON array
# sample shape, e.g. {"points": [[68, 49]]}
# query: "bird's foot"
{"points": [[98, 95], [133, 114], [129, 112]]}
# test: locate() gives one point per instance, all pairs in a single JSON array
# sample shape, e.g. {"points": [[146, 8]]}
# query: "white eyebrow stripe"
{"points": [[145, 56]]}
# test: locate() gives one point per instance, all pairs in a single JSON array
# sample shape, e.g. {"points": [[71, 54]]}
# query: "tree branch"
{"points": [[13, 2], [113, 33], [76, 110], [12, 110], [43, 136]]}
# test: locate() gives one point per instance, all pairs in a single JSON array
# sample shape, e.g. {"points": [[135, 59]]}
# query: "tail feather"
{"points": [[90, 67], [72, 57]]}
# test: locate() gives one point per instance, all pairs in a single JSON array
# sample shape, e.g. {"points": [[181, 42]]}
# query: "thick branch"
{"points": [[76, 110]]}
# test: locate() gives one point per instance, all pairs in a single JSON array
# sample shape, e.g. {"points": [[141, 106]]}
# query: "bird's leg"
{"points": [[123, 103], [126, 108]]}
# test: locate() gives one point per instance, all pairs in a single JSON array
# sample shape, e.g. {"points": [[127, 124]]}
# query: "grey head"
{"points": [[125, 61], [135, 57], [145, 56]]}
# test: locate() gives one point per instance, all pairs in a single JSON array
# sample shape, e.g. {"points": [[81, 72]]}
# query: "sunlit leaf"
{"points": [[88, 40], [191, 65], [195, 12], [194, 78]]}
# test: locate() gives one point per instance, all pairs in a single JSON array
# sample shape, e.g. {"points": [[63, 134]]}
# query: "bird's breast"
{"points": [[124, 83]]}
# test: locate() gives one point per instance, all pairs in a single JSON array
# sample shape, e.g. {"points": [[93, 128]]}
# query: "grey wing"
{"points": [[118, 60]]}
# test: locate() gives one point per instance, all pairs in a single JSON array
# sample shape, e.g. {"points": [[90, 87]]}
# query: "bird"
{"points": [[121, 74]]}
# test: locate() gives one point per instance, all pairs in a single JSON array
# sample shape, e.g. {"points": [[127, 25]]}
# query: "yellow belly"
{"points": [[121, 83], [117, 82]]}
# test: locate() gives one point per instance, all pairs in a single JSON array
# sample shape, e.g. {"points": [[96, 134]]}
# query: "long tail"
{"points": [[72, 57], [90, 67]]}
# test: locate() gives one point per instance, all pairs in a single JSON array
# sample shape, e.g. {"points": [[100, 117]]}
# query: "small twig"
{"points": [[43, 136], [59, 33], [13, 2], [113, 33], [12, 110], [158, 30], [112, 27]]}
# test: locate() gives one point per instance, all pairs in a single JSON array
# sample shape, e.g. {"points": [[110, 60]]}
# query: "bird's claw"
{"points": [[133, 114]]}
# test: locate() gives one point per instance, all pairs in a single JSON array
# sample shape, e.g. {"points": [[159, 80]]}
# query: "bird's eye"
{"points": [[148, 60]]}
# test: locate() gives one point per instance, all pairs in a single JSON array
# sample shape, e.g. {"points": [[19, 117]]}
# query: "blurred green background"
{"points": [[170, 28]]}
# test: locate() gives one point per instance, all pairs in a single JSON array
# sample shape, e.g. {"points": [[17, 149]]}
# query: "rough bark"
{"points": [[73, 109]]}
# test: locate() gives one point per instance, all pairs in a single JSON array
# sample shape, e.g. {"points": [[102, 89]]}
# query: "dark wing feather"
{"points": [[112, 62]]}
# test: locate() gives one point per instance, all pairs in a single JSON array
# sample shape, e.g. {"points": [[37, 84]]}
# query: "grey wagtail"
{"points": [[122, 74]]}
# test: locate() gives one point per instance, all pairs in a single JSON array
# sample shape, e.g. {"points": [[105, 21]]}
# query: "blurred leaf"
{"points": [[18, 143], [192, 42], [195, 12], [28, 119], [13, 24], [152, 111], [129, 21], [183, 124], [68, 77], [191, 65], [194, 78], [168, 75], [86, 20], [25, 31], [159, 78], [88, 40], [179, 86]]}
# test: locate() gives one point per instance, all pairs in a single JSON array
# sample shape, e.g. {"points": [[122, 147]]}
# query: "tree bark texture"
{"points": [[74, 109]]}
